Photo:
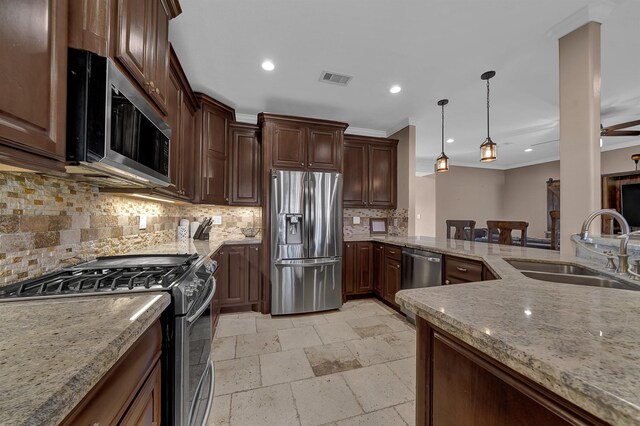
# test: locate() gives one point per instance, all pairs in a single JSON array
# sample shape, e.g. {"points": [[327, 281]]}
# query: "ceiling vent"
{"points": [[334, 78]]}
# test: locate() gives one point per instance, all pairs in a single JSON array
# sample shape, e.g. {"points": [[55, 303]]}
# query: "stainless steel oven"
{"points": [[194, 371]]}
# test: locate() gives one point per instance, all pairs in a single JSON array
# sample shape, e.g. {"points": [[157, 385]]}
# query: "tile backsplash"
{"points": [[48, 223], [401, 216]]}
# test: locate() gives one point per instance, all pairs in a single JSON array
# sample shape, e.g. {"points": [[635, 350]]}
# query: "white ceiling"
{"points": [[433, 48]]}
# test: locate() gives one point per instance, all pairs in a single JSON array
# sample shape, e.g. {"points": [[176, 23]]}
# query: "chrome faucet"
{"points": [[623, 257], [634, 274]]}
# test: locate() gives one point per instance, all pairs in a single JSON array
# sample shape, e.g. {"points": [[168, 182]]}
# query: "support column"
{"points": [[580, 184]]}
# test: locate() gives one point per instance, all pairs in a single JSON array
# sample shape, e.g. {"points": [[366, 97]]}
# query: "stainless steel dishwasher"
{"points": [[420, 269]]}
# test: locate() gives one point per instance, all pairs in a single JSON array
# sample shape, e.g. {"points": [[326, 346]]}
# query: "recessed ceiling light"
{"points": [[528, 150], [451, 140], [268, 66], [395, 89]]}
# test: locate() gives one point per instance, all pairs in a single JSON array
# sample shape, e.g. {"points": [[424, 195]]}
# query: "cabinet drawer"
{"points": [[462, 270], [393, 252]]}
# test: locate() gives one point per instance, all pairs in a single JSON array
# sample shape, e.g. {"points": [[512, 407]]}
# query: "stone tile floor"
{"points": [[352, 366]]}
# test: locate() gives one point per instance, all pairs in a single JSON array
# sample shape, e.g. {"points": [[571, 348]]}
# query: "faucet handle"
{"points": [[611, 264]]}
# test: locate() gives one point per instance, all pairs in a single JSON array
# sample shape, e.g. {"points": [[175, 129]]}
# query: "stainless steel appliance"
{"points": [[112, 129], [420, 269], [306, 241], [188, 373]]}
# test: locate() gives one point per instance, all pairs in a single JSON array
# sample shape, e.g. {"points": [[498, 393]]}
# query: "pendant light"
{"points": [[442, 162], [488, 149]]}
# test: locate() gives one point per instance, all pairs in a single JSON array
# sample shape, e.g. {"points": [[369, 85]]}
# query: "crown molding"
{"points": [[595, 12], [361, 131], [247, 118]]}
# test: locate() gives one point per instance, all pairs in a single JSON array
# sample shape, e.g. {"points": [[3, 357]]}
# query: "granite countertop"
{"points": [[582, 343], [203, 248], [54, 351]]}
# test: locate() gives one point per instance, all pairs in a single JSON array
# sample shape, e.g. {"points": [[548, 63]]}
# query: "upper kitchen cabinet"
{"points": [[298, 143], [371, 178], [244, 164], [212, 123], [33, 66], [135, 32]]}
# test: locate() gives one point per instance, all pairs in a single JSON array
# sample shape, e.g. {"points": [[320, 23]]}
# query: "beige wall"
{"points": [[425, 197], [618, 160], [406, 172], [469, 193]]}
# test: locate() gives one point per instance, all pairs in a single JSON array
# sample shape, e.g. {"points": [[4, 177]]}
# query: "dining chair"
{"points": [[460, 227], [505, 228]]}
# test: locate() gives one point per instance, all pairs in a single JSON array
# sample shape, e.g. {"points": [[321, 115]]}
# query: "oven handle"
{"points": [[196, 396], [206, 303]]}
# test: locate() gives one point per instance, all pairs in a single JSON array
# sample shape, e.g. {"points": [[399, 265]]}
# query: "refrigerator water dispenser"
{"points": [[293, 228]]}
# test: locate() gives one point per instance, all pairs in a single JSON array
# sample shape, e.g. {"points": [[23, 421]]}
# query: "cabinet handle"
{"points": [[447, 282], [348, 245], [156, 90], [461, 269], [310, 164], [146, 83], [302, 164], [152, 84], [398, 266]]}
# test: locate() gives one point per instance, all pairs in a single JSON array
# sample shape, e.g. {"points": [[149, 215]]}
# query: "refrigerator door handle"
{"points": [[309, 263]]}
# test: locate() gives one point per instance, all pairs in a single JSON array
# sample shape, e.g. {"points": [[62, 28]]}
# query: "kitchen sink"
{"points": [[554, 268], [566, 273]]}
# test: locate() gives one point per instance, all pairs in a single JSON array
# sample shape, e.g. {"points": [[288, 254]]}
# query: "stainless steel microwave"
{"points": [[111, 128]]}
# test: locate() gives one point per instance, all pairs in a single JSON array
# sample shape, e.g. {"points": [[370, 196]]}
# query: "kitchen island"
{"points": [[571, 349], [53, 352]]}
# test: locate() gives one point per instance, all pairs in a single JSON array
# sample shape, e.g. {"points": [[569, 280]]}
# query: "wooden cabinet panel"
{"points": [[348, 268], [458, 270], [382, 176], [245, 165], [289, 146], [255, 278], [135, 38], [89, 25], [145, 410], [355, 192], [234, 290], [364, 268], [324, 149], [174, 105], [159, 63], [393, 278], [378, 265], [459, 385], [187, 148], [33, 48]]}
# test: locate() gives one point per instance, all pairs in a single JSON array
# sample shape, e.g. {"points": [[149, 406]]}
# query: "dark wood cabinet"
{"points": [[33, 48], [392, 273], [129, 393], [289, 146], [371, 178], [457, 384], [357, 268], [240, 280], [211, 157], [244, 165], [324, 149], [143, 45], [378, 268], [459, 270]]}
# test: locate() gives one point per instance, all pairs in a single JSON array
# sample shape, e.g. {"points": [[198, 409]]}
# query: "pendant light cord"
{"points": [[488, 109], [443, 129]]}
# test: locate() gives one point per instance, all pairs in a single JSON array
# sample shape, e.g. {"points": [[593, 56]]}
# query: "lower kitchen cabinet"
{"points": [[130, 393], [392, 273], [357, 268], [458, 270], [378, 268], [458, 385], [240, 281]]}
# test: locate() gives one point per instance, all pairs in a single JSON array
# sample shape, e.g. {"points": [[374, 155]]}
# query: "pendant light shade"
{"points": [[442, 162], [488, 149]]}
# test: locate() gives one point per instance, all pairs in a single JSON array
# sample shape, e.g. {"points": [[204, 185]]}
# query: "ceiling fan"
{"points": [[615, 129]]}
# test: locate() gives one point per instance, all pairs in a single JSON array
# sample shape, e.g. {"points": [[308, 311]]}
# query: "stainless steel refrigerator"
{"points": [[306, 242]]}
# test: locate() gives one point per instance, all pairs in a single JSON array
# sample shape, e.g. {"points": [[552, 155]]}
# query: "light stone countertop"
{"points": [[54, 351], [203, 248], [582, 343]]}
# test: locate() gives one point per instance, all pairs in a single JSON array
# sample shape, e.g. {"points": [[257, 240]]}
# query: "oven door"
{"points": [[193, 345]]}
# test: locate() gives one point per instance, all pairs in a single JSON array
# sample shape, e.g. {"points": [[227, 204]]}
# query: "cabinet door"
{"points": [[174, 103], [348, 268], [324, 149], [187, 146], [159, 64], [382, 176], [214, 151], [378, 265], [289, 146], [364, 267], [135, 38], [33, 87], [355, 190], [393, 276], [234, 291], [145, 409], [458, 270], [255, 278], [244, 167]]}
